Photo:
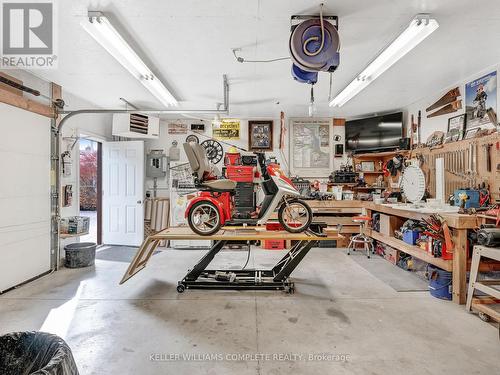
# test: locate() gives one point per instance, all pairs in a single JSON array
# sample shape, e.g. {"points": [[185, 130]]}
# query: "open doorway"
{"points": [[90, 188]]}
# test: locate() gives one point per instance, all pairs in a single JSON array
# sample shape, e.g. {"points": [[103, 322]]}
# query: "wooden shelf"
{"points": [[371, 172], [415, 251], [71, 235], [487, 217], [378, 155], [368, 188]]}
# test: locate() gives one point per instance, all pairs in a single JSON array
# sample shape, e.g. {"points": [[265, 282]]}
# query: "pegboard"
{"points": [[456, 155]]}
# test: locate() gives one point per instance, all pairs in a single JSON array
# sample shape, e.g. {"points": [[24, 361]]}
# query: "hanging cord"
{"points": [[248, 257], [242, 60], [315, 38], [330, 89]]}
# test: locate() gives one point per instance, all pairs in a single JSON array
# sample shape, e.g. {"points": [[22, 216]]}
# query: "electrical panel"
{"points": [[156, 164]]}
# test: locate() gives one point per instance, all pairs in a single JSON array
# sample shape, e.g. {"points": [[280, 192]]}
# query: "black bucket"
{"points": [[80, 254]]}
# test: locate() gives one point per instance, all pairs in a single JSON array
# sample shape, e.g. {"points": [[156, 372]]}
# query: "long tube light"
{"points": [[420, 28], [99, 27]]}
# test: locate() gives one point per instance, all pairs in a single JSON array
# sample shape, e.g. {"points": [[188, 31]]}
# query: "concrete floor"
{"points": [[339, 308]]}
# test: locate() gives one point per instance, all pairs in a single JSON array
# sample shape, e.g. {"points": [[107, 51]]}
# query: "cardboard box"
{"points": [[391, 254]]}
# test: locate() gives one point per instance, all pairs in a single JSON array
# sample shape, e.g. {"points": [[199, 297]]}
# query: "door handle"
{"points": [[139, 202]]}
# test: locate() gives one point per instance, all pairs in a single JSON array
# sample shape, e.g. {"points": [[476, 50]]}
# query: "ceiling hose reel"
{"points": [[314, 47]]}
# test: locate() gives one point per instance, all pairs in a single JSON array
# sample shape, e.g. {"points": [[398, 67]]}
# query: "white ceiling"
{"points": [[189, 45]]}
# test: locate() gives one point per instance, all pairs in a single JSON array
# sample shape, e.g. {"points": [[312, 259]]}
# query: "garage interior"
{"points": [[254, 187]]}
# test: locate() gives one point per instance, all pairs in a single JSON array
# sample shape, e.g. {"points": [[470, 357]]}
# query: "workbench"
{"points": [[199, 277], [459, 225]]}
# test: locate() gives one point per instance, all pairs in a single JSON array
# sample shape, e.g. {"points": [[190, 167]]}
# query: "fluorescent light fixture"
{"points": [[420, 28], [99, 27]]}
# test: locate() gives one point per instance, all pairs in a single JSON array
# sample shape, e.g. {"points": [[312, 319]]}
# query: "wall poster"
{"points": [[311, 147], [226, 129], [177, 128], [481, 96]]}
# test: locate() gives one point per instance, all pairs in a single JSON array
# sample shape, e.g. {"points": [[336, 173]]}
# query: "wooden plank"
{"points": [[240, 234], [460, 266], [8, 97], [11, 89], [71, 235], [485, 300], [339, 122], [336, 210], [410, 249], [454, 220], [335, 220], [377, 155], [335, 204], [492, 310]]}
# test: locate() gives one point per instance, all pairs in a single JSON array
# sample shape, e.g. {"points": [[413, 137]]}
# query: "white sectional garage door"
{"points": [[24, 195]]}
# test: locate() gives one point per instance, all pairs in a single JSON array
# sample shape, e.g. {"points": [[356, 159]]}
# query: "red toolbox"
{"points": [[274, 225], [239, 173], [273, 244]]}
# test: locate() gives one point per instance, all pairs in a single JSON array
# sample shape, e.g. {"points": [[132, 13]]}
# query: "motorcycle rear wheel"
{"points": [[204, 218], [295, 215]]}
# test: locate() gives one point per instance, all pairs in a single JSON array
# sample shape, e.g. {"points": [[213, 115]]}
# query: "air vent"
{"points": [[136, 125], [139, 123]]}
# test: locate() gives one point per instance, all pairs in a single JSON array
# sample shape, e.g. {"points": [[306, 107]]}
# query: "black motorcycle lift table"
{"points": [[199, 277]]}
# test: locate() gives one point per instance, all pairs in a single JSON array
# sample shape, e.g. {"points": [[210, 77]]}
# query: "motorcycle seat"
{"points": [[219, 185]]}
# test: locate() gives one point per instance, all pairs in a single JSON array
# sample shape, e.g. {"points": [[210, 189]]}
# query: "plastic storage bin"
{"points": [[410, 237]]}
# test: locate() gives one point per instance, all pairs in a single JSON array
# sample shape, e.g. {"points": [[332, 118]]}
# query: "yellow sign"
{"points": [[226, 129]]}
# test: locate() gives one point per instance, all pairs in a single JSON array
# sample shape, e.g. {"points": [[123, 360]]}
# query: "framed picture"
{"points": [[367, 166], [260, 135], [456, 127], [471, 133], [311, 147], [480, 97]]}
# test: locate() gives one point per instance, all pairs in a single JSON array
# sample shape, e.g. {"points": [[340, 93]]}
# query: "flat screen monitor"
{"points": [[372, 134]]}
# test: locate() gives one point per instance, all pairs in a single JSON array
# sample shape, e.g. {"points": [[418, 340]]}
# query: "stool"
{"points": [[361, 237]]}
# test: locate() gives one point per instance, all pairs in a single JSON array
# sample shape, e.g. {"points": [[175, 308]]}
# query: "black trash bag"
{"points": [[35, 353]]}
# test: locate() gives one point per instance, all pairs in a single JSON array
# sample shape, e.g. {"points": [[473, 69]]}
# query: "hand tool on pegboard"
{"points": [[419, 127], [487, 155]]}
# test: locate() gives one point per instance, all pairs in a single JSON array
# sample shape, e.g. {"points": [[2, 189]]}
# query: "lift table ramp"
{"points": [[199, 277]]}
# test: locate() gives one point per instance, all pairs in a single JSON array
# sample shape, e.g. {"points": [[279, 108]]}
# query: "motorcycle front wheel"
{"points": [[295, 215]]}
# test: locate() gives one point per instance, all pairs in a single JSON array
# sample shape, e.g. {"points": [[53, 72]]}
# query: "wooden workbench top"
{"points": [[241, 234], [454, 220]]}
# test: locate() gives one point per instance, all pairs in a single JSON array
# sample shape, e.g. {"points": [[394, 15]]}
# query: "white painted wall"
{"points": [[95, 126], [165, 141], [24, 196], [429, 125]]}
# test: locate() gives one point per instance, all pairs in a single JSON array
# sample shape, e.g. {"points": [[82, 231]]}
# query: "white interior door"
{"points": [[123, 191]]}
